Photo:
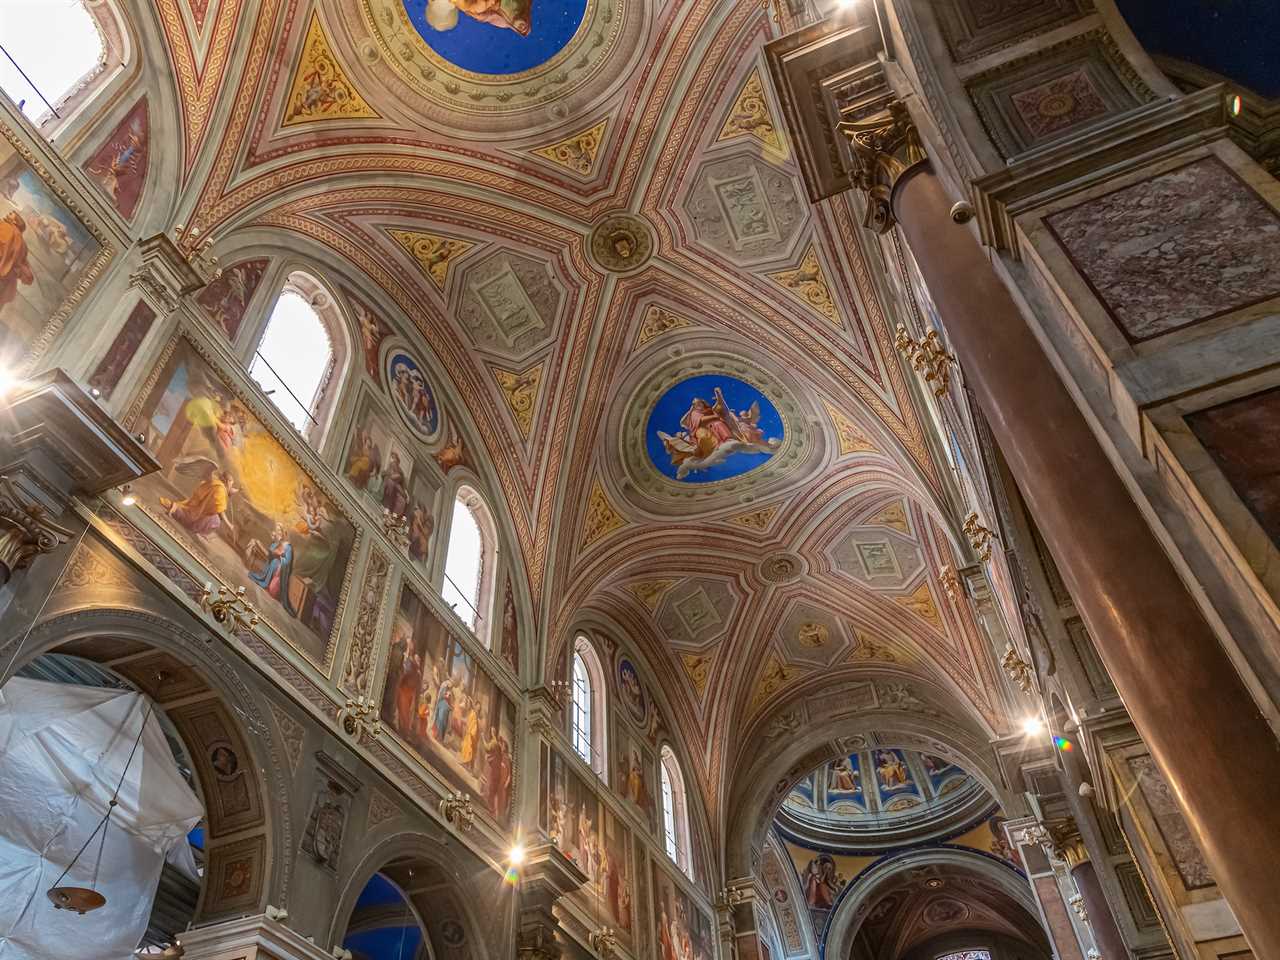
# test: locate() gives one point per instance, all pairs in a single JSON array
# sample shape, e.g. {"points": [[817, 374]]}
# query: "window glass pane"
{"points": [[293, 358], [55, 42], [581, 708], [462, 565], [669, 815], [967, 955]]}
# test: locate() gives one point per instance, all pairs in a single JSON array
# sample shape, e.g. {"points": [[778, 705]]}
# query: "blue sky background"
{"points": [[484, 48]]}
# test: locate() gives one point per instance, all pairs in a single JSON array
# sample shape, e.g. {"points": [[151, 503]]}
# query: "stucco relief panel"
{"points": [[509, 303], [745, 209], [696, 612]]}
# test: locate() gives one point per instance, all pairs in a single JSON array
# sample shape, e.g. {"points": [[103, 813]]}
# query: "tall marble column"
{"points": [[1186, 699], [1070, 846]]}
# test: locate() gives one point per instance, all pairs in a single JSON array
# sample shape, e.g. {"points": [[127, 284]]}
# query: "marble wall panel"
{"points": [[1177, 837], [1186, 246], [1242, 438]]}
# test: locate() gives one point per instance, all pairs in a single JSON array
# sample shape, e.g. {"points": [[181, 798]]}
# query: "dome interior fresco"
{"points": [[878, 797]]}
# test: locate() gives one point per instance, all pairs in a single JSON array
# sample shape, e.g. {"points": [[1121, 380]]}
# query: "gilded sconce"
{"points": [[1019, 670], [359, 719], [456, 810], [229, 608], [928, 357], [981, 537]]}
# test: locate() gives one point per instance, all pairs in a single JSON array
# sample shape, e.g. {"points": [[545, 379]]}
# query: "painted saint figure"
{"points": [[14, 267], [205, 509], [275, 574], [712, 432], [893, 775]]}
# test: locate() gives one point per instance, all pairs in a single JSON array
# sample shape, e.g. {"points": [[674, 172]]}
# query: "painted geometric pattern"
{"points": [[749, 116], [432, 253], [808, 284], [851, 438], [602, 517], [658, 321], [320, 88], [576, 152], [521, 392], [649, 592]]}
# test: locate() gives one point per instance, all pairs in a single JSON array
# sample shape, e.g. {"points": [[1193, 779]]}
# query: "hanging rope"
{"points": [[111, 806]]}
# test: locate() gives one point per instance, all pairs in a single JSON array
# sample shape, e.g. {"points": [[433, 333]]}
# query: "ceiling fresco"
{"points": [[676, 377]]}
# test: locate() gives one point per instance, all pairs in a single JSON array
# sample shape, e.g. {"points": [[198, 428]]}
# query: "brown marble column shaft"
{"points": [[1102, 922], [1183, 693]]}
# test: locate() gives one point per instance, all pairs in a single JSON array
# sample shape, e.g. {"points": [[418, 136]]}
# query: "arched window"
{"points": [[587, 709], [967, 955], [470, 562], [675, 814], [294, 357], [48, 50]]}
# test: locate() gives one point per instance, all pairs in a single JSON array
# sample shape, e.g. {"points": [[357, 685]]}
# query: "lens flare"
{"points": [[511, 877], [1063, 744]]}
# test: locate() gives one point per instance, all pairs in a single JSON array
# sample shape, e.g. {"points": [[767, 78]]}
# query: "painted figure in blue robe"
{"points": [[444, 707], [275, 574]]}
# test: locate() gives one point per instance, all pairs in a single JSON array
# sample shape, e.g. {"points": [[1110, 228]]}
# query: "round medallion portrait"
{"points": [[712, 427], [621, 243], [412, 394], [496, 37], [632, 691]]}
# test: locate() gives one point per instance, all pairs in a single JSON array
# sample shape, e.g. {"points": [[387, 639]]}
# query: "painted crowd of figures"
{"points": [[588, 833], [390, 478], [683, 931], [242, 503], [446, 707]]}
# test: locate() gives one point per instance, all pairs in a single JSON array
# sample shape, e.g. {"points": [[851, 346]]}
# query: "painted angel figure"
{"points": [[712, 433], [509, 14]]}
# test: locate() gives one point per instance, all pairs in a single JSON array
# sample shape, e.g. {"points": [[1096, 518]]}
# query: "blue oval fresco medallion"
{"points": [[712, 427], [496, 36], [412, 394]]}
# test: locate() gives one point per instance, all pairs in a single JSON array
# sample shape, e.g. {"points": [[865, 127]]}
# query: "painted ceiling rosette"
{"points": [[498, 64], [707, 430]]}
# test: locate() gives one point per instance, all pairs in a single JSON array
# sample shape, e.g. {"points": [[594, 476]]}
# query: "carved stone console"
{"points": [[547, 876], [56, 443]]}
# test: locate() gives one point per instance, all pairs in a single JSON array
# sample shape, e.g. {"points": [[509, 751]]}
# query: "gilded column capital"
{"points": [[883, 144], [1066, 842]]}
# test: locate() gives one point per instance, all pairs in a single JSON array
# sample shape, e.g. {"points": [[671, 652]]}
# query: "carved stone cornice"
{"points": [[166, 274], [883, 143], [1105, 151]]}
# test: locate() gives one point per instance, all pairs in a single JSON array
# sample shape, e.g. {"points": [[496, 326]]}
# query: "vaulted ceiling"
{"points": [[571, 241]]}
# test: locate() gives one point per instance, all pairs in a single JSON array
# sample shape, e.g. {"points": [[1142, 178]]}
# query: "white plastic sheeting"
{"points": [[63, 749]]}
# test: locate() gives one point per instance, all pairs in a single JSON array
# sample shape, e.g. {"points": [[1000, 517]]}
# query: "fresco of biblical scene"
{"points": [[712, 427], [631, 691], [591, 835], [895, 781], [496, 36], [45, 252], [119, 167], [944, 776], [226, 298], [681, 929], [373, 330], [236, 498], [442, 704], [412, 395], [389, 478], [634, 773], [803, 792], [844, 786]]}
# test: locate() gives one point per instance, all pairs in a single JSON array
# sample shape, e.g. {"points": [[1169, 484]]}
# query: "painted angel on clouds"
{"points": [[713, 433], [509, 14]]}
